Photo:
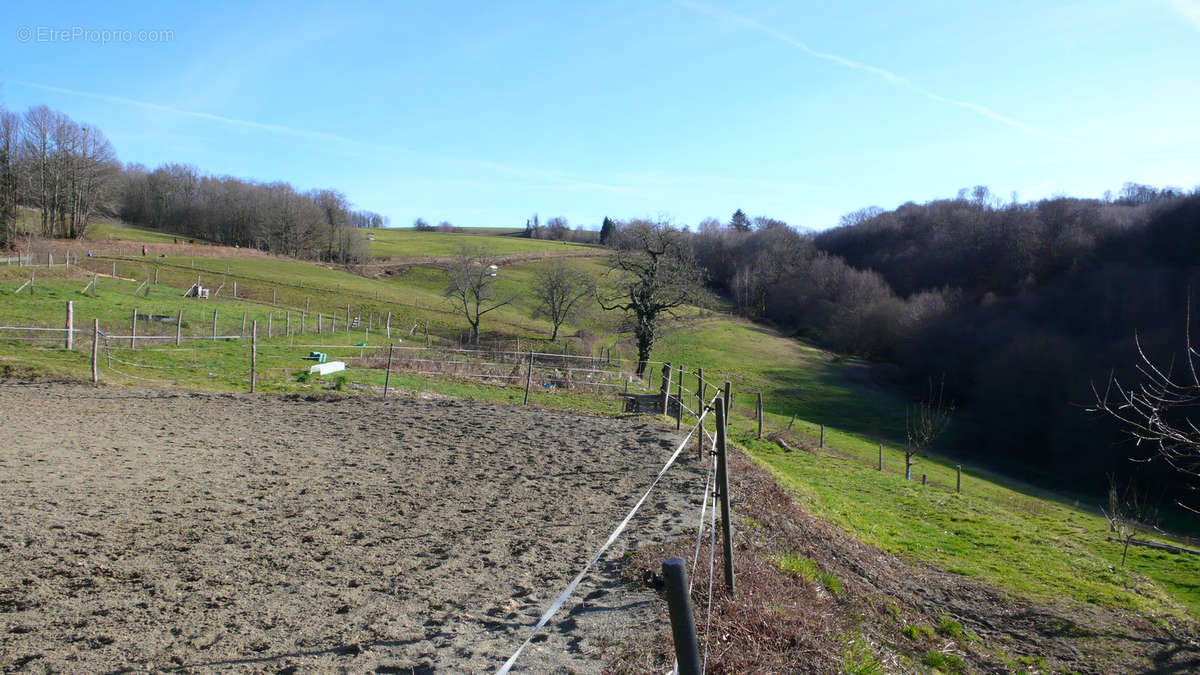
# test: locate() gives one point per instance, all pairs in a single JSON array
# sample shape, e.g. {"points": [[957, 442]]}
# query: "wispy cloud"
{"points": [[883, 73], [1188, 9], [547, 179], [146, 105]]}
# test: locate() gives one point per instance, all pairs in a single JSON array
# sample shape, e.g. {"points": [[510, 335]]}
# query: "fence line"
{"points": [[562, 598]]}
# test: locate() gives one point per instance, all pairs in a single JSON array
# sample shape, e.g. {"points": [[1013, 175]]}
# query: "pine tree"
{"points": [[739, 221], [607, 229]]}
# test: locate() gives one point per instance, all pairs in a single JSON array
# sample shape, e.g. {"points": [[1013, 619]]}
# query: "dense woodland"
{"points": [[1020, 308], [69, 172]]}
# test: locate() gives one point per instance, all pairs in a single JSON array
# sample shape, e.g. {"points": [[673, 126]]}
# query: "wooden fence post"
{"points": [[759, 413], [179, 329], [274, 296], [387, 377], [133, 330], [388, 326], [683, 621], [243, 331], [306, 308], [822, 435], [679, 399], [528, 375], [320, 323], [881, 456], [426, 332], [156, 277], [253, 353], [958, 482], [235, 298], [302, 323], [95, 351], [723, 489], [270, 324], [214, 335], [114, 268], [666, 388], [70, 325], [728, 396], [287, 325], [700, 386], [924, 479]]}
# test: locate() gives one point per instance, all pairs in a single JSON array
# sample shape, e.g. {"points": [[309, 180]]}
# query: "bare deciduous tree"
{"points": [[471, 286], [1127, 515], [560, 290], [923, 423], [1155, 411], [9, 180], [658, 273]]}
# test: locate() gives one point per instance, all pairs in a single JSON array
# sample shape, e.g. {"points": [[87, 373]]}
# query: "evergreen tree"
{"points": [[607, 229], [739, 221]]}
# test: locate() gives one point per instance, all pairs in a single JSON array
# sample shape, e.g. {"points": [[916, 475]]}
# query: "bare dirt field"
{"points": [[150, 530]]}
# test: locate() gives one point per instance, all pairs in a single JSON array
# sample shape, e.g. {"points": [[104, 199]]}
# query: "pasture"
{"points": [[398, 243]]}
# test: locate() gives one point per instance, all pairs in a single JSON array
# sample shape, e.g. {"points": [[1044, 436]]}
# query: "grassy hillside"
{"points": [[401, 244], [1032, 543], [104, 229]]}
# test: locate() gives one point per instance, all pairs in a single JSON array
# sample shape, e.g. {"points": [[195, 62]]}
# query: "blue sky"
{"points": [[484, 113]]}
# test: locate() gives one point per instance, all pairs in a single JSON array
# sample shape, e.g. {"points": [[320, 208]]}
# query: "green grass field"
{"points": [[1030, 542], [1000, 531], [103, 229], [402, 244]]}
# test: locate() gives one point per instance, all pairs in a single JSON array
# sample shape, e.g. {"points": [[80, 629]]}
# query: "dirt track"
{"points": [[146, 529]]}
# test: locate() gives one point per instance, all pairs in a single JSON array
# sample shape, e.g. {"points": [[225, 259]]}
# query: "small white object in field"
{"points": [[327, 368]]}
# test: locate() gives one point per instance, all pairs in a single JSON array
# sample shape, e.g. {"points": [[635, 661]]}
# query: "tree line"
{"points": [[1017, 308], [55, 165], [68, 172]]}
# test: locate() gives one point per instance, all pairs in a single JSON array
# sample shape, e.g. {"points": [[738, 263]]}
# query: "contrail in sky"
{"points": [[258, 126], [556, 178], [891, 77], [1190, 9]]}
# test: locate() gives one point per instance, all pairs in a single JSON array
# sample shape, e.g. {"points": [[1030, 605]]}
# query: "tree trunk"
{"points": [[645, 344]]}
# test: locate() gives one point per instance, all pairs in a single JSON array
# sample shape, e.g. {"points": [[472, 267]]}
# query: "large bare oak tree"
{"points": [[658, 272]]}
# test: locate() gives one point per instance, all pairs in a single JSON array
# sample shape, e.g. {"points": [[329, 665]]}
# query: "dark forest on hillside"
{"points": [[1019, 308]]}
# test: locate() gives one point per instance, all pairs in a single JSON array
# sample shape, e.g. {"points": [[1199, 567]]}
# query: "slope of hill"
{"points": [[1034, 545]]}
